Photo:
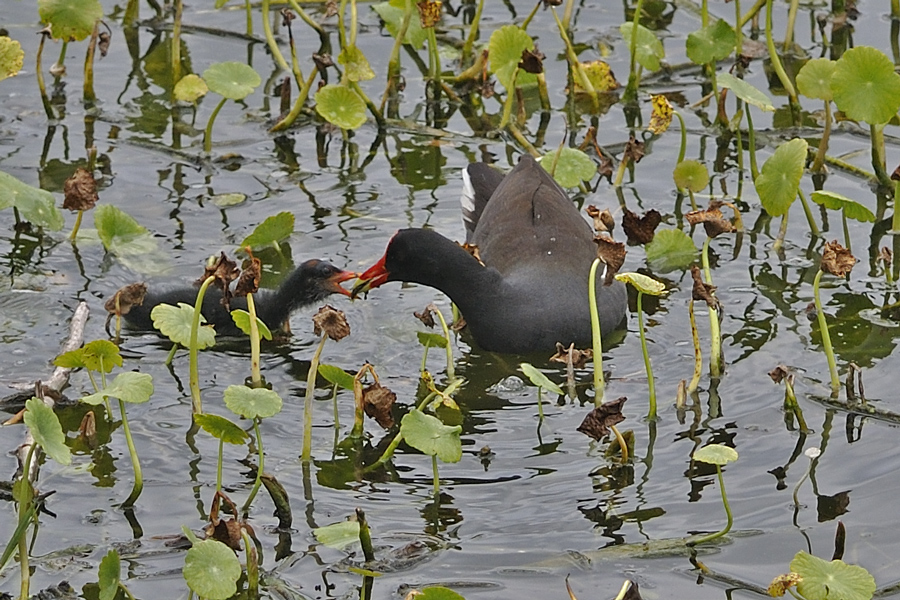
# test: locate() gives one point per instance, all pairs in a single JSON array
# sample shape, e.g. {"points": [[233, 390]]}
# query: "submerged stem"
{"points": [[307, 403], [135, 463], [826, 336], [651, 385], [595, 336]]}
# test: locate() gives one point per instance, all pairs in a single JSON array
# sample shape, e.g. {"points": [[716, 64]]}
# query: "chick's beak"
{"points": [[375, 276], [335, 281]]}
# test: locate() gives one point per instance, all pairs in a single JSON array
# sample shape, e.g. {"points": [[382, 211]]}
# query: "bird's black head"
{"points": [[315, 280]]}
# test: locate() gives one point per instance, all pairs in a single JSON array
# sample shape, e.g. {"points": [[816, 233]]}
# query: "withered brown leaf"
{"points": [[332, 322], [634, 150], [714, 222], [80, 190], [612, 254], [596, 423], [103, 43], [473, 250], [532, 61], [603, 219], [779, 373], [836, 259], [125, 298], [377, 401], [427, 315], [703, 292], [248, 282], [577, 358], [640, 230]]}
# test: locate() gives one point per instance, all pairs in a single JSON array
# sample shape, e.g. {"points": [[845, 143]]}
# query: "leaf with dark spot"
{"points": [[596, 423], [836, 259], [429, 13], [640, 230], [332, 322]]}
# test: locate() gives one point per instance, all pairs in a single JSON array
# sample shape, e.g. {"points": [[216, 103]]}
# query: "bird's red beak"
{"points": [[335, 281], [374, 276]]}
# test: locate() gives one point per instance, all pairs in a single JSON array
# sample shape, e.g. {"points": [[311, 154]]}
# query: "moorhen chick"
{"points": [[532, 289], [311, 282]]}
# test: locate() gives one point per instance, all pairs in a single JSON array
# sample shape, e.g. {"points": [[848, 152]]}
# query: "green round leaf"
{"points": [[221, 428], [539, 379], [716, 454], [252, 403], [99, 355], [432, 340], [505, 53], [46, 430], [190, 88], [834, 580], [338, 535], [865, 85], [211, 570], [779, 180], [233, 80], [356, 65], [117, 229], [132, 387], [274, 229], [11, 57], [711, 44], [241, 318], [337, 376], [642, 283], [691, 175], [340, 106], [572, 167], [392, 15], [175, 324], [852, 209], [669, 250], [70, 19], [35, 205], [745, 91], [108, 574], [814, 79], [427, 434], [649, 50], [436, 592]]}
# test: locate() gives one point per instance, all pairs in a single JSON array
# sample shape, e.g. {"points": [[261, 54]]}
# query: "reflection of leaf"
{"points": [[649, 50], [427, 434], [340, 106], [670, 249], [70, 19], [505, 52]]}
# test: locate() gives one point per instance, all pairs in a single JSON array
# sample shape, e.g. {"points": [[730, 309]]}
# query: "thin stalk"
{"points": [[574, 63], [194, 383], [219, 466], [61, 61], [306, 18], [597, 344], [436, 486], [473, 31], [789, 31], [24, 568], [846, 231], [176, 43], [308, 401], [776, 61], [758, 6], [259, 469], [508, 103], [252, 565], [620, 172], [434, 64], [782, 231], [826, 336], [302, 96], [88, 95], [45, 100], [389, 451], [567, 12], [270, 38], [18, 534], [255, 376], [704, 13], [790, 402], [738, 30], [393, 72], [354, 19], [718, 534], [451, 374], [751, 140], [819, 162], [135, 463], [540, 406], [895, 220], [715, 342], [531, 15], [632, 87], [698, 353], [651, 385], [623, 446], [365, 536], [813, 228], [171, 355], [877, 137], [77, 226], [207, 135], [248, 8], [683, 148]]}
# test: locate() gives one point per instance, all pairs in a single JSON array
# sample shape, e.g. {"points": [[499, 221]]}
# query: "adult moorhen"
{"points": [[311, 282], [537, 250]]}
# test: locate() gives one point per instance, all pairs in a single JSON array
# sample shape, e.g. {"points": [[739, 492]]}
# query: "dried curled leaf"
{"points": [[572, 356], [603, 220], [836, 259], [473, 250], [377, 401], [703, 292], [80, 190], [332, 322], [224, 270], [885, 255], [640, 230], [248, 282], [103, 43], [427, 316], [532, 61], [714, 222], [780, 373], [612, 254], [782, 583], [634, 150], [125, 298], [596, 423]]}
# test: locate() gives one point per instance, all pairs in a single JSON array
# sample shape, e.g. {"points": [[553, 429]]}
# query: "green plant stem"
{"points": [[308, 401], [789, 30], [782, 231], [826, 336], [623, 445], [451, 373], [176, 43], [846, 231], [434, 63], [302, 96], [895, 220], [365, 536], [306, 18], [77, 226], [715, 342], [575, 64], [260, 468], [207, 135], [354, 19], [730, 521], [758, 6], [508, 102], [527, 21], [698, 353], [878, 161], [651, 385], [473, 31], [682, 149], [194, 383], [393, 71], [135, 462], [597, 344], [252, 565], [776, 61], [389, 451], [813, 228], [24, 568], [88, 95], [751, 140], [171, 355], [270, 38], [436, 487], [39, 72], [540, 406], [632, 87], [567, 13], [819, 161], [379, 118], [738, 30], [791, 404], [248, 8], [255, 376], [620, 172], [61, 61], [219, 465]]}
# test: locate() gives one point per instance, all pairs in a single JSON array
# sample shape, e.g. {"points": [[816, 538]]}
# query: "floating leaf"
{"points": [[691, 175], [432, 340], [814, 79], [132, 387], [539, 379], [649, 50], [116, 228], [338, 535], [712, 43], [232, 80], [834, 580], [716, 454], [337, 376], [11, 57], [241, 319], [745, 91], [340, 106], [175, 324], [190, 88], [108, 574], [437, 592], [670, 249], [572, 167], [356, 64], [70, 20], [865, 85], [427, 434], [36, 206], [271, 231], [44, 426], [642, 283], [505, 52], [392, 15], [211, 570], [852, 209], [252, 403], [779, 180], [221, 428]]}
